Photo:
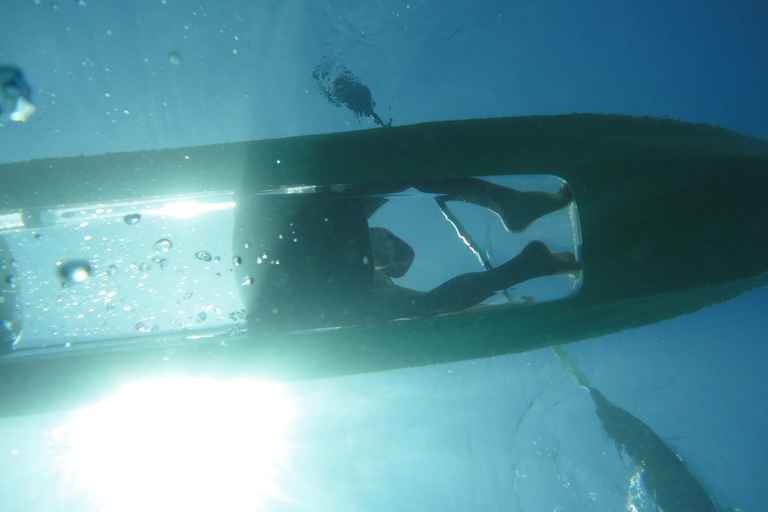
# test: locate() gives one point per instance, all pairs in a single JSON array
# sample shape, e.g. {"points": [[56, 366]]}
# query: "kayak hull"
{"points": [[673, 219]]}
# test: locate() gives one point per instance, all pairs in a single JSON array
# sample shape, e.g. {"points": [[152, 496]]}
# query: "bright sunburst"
{"points": [[182, 444]]}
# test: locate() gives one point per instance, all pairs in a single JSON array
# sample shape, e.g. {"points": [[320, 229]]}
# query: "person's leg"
{"points": [[517, 210], [468, 290]]}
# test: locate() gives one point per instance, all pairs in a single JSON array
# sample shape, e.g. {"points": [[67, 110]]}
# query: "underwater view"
{"points": [[383, 256]]}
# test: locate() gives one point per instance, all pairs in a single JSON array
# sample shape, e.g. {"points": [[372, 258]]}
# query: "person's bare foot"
{"points": [[539, 261], [518, 211]]}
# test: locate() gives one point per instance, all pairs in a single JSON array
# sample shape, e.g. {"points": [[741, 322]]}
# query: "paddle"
{"points": [[665, 475]]}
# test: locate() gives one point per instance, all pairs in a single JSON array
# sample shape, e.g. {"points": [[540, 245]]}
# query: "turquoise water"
{"points": [[507, 433]]}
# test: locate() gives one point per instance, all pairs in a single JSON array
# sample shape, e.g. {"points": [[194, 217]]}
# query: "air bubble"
{"points": [[174, 59], [145, 267], [141, 327], [76, 271], [203, 255], [201, 316], [163, 245], [132, 218]]}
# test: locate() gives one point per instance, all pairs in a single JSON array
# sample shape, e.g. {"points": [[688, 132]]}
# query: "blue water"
{"points": [[509, 433]]}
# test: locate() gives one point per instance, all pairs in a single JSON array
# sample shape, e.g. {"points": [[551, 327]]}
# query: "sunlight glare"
{"points": [[187, 209], [182, 444]]}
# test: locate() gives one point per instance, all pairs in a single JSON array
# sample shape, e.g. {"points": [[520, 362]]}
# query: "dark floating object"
{"points": [[75, 271], [14, 95], [667, 478], [341, 87]]}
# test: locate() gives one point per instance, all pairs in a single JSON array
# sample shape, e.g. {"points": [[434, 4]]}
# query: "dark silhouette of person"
{"points": [[310, 260]]}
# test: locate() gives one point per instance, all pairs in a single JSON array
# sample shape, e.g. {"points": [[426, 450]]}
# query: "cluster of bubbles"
{"points": [[141, 327], [79, 270]]}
